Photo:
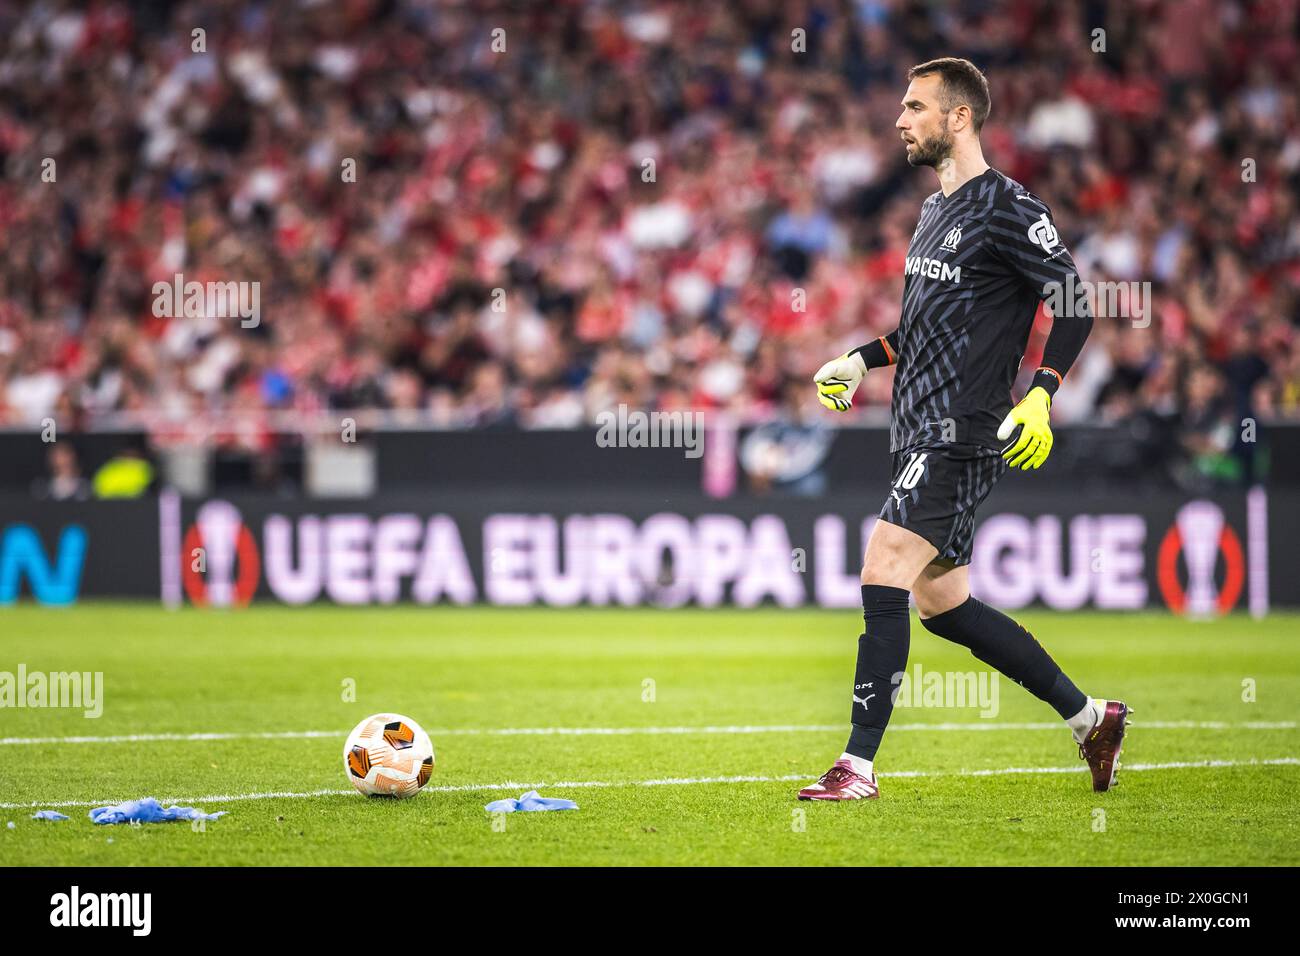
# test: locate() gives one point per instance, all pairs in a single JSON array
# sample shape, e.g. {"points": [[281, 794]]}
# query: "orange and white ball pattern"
{"points": [[388, 755]]}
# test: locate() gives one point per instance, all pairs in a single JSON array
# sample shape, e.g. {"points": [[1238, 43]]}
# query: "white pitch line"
{"points": [[677, 782], [149, 738], [957, 726]]}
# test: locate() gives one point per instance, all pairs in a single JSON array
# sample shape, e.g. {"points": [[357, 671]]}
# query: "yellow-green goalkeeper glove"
{"points": [[1035, 442], [838, 379]]}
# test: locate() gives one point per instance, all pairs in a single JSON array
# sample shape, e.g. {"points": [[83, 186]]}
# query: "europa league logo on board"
{"points": [[220, 564], [1201, 535]]}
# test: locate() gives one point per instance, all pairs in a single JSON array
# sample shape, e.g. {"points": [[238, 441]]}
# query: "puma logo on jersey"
{"points": [[932, 269]]}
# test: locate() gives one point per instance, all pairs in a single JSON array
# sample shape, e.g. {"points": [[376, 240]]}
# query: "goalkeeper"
{"points": [[984, 254]]}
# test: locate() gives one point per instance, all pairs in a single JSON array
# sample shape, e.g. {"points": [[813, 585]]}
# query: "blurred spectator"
{"points": [[787, 454], [1208, 432], [65, 481]]}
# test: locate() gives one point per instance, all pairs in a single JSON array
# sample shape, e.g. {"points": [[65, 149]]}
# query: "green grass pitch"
{"points": [[761, 694]]}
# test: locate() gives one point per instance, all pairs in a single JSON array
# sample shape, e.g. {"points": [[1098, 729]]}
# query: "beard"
{"points": [[932, 151]]}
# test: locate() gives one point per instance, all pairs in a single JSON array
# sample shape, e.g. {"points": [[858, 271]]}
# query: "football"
{"points": [[388, 755]]}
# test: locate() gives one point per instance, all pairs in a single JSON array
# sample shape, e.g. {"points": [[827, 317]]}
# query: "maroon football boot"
{"points": [[841, 782], [1102, 745]]}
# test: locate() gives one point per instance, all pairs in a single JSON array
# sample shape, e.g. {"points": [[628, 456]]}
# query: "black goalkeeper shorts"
{"points": [[935, 491]]}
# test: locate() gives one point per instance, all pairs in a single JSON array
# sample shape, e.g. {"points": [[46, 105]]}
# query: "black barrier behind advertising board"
{"points": [[1199, 556], [567, 460]]}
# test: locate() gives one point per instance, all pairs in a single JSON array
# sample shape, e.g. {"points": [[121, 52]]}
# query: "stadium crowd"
{"points": [[483, 214]]}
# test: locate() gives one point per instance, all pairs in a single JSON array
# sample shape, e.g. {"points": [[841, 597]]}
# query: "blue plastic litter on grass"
{"points": [[48, 815], [148, 810], [528, 802]]}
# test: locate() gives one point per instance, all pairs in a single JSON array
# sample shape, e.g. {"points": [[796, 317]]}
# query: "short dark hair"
{"points": [[962, 83]]}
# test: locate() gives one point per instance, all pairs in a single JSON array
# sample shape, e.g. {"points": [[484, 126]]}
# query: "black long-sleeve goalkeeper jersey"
{"points": [[979, 262]]}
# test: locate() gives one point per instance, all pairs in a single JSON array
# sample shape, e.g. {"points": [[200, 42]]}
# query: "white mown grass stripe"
{"points": [[674, 782], [957, 726]]}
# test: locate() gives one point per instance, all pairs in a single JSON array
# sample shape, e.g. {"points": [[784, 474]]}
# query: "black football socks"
{"points": [[882, 656], [1002, 643]]}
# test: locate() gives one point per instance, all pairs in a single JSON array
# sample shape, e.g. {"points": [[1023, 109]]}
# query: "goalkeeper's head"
{"points": [[944, 108]]}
